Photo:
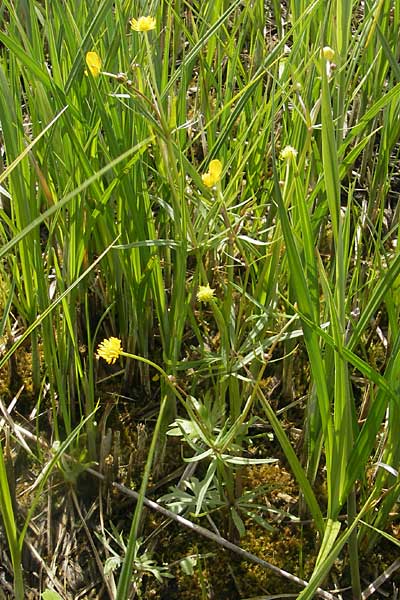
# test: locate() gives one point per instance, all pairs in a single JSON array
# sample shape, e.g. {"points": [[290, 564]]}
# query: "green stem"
{"points": [[7, 513], [126, 572], [353, 548]]}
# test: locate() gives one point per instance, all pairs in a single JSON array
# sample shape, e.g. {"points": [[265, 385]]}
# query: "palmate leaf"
{"points": [[181, 501]]}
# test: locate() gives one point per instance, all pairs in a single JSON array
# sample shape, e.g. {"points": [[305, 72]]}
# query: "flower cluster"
{"points": [[213, 174], [110, 350], [143, 24], [205, 293], [288, 153]]}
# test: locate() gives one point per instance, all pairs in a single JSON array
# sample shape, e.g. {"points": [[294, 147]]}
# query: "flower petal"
{"points": [[110, 350], [208, 180], [215, 169], [93, 62]]}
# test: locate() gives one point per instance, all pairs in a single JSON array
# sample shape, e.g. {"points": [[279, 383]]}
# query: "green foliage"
{"points": [[142, 562], [109, 229], [51, 595]]}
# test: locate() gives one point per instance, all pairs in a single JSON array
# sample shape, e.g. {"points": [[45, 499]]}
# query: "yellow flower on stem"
{"points": [[110, 350], [213, 174], [143, 24], [93, 62], [205, 293]]}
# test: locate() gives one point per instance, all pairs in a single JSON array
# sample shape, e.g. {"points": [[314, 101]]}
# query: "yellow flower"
{"points": [[328, 53], [110, 350], [143, 24], [205, 293], [93, 62], [288, 153], [214, 173]]}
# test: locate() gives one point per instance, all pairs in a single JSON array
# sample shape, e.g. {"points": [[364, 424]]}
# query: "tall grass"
{"points": [[108, 229]]}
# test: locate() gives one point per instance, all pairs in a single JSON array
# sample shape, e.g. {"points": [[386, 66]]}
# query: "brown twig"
{"points": [[371, 589], [189, 524], [211, 536]]}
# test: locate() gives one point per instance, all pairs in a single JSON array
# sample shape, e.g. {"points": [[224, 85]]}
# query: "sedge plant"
{"points": [[234, 165]]}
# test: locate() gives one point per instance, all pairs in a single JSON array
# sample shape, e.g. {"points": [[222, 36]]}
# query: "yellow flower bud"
{"points": [[214, 173], [93, 62]]}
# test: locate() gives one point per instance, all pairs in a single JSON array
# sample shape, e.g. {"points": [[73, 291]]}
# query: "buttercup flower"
{"points": [[214, 173], [93, 62], [110, 350], [143, 24], [205, 293], [328, 53], [288, 153]]}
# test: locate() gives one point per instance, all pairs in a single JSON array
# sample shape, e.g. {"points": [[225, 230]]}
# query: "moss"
{"points": [[222, 574]]}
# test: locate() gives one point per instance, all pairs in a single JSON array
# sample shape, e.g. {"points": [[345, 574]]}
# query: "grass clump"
{"points": [[210, 188]]}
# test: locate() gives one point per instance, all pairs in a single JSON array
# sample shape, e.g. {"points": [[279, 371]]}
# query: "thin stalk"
{"points": [[353, 547], [9, 520], [126, 571]]}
